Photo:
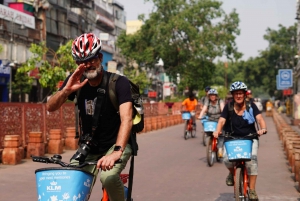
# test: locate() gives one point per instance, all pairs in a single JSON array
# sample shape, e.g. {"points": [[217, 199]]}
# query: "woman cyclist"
{"points": [[241, 124], [213, 107]]}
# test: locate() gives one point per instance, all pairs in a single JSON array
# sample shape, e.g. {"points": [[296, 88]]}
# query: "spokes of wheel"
{"points": [[210, 155], [193, 132], [186, 135], [239, 185]]}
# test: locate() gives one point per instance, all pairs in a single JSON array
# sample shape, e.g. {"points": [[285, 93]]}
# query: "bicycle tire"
{"points": [[186, 135], [239, 185], [210, 153], [217, 156], [193, 131], [204, 138]]}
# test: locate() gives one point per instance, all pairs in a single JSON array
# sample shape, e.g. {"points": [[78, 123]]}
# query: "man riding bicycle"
{"points": [[108, 139], [238, 121], [190, 105]]}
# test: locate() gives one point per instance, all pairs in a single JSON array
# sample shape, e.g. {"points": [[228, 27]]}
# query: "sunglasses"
{"points": [[92, 60]]}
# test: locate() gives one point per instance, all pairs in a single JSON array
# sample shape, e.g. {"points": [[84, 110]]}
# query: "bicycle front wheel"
{"points": [[239, 185], [193, 131], [204, 138], [210, 154]]}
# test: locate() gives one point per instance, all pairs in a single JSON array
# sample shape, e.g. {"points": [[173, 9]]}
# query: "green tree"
{"points": [[51, 70], [137, 76], [187, 36], [260, 72]]}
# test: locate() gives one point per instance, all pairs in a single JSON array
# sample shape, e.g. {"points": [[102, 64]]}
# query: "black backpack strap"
{"points": [[112, 90], [77, 122], [100, 99], [230, 111]]}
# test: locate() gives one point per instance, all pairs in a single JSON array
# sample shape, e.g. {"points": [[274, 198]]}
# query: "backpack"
{"points": [[138, 110]]}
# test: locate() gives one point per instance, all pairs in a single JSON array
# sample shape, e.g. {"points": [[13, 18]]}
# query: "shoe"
{"points": [[252, 195], [229, 180], [220, 153]]}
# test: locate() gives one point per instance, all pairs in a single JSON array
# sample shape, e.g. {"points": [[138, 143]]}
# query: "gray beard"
{"points": [[93, 75]]}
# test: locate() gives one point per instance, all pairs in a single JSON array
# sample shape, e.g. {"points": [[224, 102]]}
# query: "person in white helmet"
{"points": [[239, 125]]}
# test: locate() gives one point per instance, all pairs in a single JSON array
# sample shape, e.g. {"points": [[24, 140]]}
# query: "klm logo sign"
{"points": [[53, 187]]}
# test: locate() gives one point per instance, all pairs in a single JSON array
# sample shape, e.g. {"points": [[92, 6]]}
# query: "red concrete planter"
{"points": [[11, 154]]}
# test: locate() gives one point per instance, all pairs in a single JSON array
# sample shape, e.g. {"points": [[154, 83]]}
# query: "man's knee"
{"points": [[108, 180]]}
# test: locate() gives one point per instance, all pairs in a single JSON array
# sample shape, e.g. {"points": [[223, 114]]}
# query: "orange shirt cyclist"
{"points": [[190, 105]]}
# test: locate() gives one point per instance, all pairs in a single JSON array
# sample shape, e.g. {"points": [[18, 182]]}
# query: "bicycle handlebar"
{"points": [[249, 136], [56, 159]]}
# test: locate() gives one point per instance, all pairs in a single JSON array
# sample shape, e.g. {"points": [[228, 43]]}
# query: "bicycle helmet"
{"points": [[248, 92], [238, 86], [212, 92], [85, 47], [207, 88]]}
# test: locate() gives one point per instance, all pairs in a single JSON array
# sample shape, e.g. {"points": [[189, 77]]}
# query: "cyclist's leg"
{"points": [[194, 120], [220, 145], [90, 168], [111, 179], [230, 167], [252, 166]]}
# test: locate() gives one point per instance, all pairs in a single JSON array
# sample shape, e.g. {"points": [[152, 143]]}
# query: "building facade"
{"points": [[55, 22]]}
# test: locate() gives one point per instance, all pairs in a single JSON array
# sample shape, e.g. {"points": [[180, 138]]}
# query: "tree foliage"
{"points": [[137, 76], [260, 72], [187, 35], [51, 70]]}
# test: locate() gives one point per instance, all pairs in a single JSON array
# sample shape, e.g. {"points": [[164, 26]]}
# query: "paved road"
{"points": [[171, 168]]}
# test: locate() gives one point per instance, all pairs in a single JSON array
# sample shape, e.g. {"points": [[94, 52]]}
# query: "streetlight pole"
{"points": [[11, 65]]}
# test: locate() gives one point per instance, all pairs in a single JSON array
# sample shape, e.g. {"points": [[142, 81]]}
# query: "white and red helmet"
{"points": [[85, 47]]}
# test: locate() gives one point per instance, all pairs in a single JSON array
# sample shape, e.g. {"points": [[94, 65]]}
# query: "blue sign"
{"points": [[285, 78], [277, 84]]}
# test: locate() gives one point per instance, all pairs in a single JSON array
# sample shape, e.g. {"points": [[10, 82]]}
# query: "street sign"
{"points": [[277, 84], [285, 77]]}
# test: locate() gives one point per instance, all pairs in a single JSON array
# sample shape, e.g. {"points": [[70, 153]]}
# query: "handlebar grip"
{"points": [[40, 159]]}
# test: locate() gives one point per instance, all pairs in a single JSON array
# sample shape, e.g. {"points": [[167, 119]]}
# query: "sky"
{"points": [[255, 17]]}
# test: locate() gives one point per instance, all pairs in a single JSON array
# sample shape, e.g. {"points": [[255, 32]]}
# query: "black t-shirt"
{"points": [[109, 120], [240, 126]]}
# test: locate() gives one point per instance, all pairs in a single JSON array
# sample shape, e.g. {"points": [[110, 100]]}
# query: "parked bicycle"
{"points": [[190, 128], [68, 181], [239, 151]]}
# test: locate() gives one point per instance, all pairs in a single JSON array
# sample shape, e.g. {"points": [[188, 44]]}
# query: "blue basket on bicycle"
{"points": [[186, 115], [63, 184], [238, 150], [204, 119], [209, 126]]}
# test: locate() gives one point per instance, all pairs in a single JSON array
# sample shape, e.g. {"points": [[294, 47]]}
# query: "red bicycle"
{"points": [[190, 128], [212, 150], [239, 151], [67, 182]]}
